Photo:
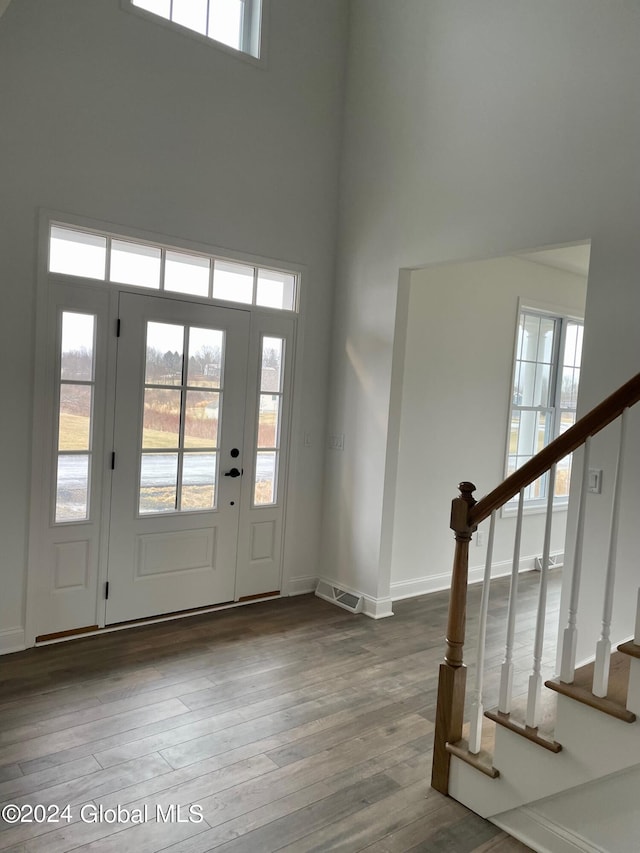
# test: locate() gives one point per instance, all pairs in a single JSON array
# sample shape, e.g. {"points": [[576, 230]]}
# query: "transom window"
{"points": [[106, 257], [234, 23], [546, 376]]}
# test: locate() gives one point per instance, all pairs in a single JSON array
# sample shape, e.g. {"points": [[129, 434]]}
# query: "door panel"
{"points": [[175, 503]]}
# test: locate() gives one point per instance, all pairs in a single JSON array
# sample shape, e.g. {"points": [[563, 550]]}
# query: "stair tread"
{"points": [[615, 702], [630, 648], [535, 735], [483, 761]]}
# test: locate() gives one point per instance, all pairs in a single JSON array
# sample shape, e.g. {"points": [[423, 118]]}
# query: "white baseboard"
{"points": [[301, 585], [12, 640], [436, 583], [375, 608], [542, 834]]}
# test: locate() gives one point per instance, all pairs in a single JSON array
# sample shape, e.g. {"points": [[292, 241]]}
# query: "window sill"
{"points": [[511, 510]]}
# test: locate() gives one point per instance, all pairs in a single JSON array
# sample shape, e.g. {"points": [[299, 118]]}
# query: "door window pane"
{"points": [[184, 418], [201, 419], [165, 344], [265, 487], [186, 274], [161, 420], [76, 360], [272, 352], [72, 487], [198, 481], [268, 420], [77, 253], [206, 347], [74, 420], [158, 479], [233, 282], [134, 263]]}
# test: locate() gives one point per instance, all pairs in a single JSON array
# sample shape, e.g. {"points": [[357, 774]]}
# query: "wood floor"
{"points": [[291, 724]]}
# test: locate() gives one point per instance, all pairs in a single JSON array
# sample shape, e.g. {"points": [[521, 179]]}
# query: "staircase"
{"points": [[559, 766]]}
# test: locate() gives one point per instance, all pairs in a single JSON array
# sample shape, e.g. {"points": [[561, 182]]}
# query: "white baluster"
{"points": [[570, 637], [477, 707], [603, 648], [535, 679], [506, 674]]}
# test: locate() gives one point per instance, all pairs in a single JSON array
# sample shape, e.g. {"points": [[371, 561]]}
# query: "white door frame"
{"points": [[262, 319]]}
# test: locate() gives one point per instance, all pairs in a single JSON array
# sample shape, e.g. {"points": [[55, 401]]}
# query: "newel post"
{"points": [[453, 673]]}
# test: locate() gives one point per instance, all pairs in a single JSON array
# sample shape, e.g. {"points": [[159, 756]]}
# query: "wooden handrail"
{"points": [[597, 419]]}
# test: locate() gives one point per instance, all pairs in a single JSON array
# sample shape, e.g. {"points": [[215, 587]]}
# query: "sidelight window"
{"points": [[269, 420], [75, 393]]}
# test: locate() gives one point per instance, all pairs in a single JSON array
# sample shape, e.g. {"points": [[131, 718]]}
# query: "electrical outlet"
{"points": [[481, 538], [336, 441], [307, 439]]}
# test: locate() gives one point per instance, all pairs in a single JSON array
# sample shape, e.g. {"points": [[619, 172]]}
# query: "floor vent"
{"points": [[556, 561], [352, 603]]}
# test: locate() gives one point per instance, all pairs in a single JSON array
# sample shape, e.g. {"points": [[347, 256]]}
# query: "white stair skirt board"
{"points": [[546, 836], [599, 817], [12, 640], [352, 600], [594, 745]]}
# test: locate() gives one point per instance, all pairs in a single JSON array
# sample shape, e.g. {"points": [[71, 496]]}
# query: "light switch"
{"points": [[594, 484]]}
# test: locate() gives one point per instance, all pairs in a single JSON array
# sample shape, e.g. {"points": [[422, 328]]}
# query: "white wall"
{"points": [[458, 362], [475, 130], [112, 117]]}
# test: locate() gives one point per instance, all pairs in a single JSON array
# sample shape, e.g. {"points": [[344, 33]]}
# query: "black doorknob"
{"points": [[234, 472]]}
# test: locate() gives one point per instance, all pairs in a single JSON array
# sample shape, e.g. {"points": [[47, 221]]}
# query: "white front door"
{"points": [[179, 439]]}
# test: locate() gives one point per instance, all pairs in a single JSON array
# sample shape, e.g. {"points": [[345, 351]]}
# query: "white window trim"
{"points": [[254, 35], [557, 311]]}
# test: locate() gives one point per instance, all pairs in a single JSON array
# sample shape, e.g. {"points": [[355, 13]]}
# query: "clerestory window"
{"points": [[234, 23], [546, 375]]}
